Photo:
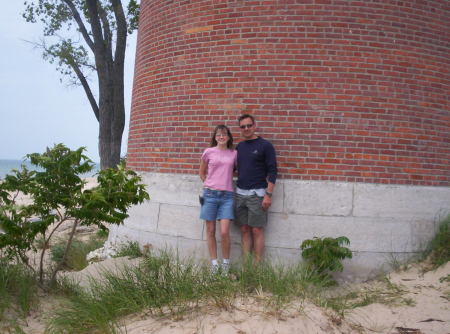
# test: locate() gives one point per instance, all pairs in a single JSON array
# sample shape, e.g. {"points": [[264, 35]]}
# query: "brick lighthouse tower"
{"points": [[354, 95]]}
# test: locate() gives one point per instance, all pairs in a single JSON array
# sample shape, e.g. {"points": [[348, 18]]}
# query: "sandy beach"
{"points": [[422, 307]]}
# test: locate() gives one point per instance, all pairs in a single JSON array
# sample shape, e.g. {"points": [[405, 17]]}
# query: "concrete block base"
{"points": [[385, 223]]}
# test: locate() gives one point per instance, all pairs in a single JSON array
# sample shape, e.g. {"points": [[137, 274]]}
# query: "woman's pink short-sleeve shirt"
{"points": [[221, 164]]}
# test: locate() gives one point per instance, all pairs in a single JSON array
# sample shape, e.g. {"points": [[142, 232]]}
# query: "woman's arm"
{"points": [[203, 170]]}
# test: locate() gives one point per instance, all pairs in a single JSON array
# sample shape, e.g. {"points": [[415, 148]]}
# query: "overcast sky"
{"points": [[36, 109]]}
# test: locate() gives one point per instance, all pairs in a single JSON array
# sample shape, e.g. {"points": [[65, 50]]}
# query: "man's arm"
{"points": [[267, 200], [271, 163], [272, 171]]}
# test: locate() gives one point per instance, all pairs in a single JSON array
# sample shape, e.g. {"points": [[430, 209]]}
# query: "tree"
{"points": [[97, 28], [58, 197]]}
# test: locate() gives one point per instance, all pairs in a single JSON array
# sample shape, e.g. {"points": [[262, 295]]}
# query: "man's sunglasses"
{"points": [[246, 126]]}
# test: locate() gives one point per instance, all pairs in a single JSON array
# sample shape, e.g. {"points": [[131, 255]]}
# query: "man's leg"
{"points": [[241, 217], [258, 242], [246, 239], [257, 218]]}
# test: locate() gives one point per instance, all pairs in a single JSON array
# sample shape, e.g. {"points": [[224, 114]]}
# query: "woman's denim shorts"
{"points": [[217, 204]]}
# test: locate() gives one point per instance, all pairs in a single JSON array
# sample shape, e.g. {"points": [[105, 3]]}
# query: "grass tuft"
{"points": [[18, 288], [76, 257], [439, 248], [130, 249], [12, 327], [102, 234], [385, 292], [283, 282]]}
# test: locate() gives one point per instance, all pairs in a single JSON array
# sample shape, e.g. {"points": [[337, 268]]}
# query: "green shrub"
{"points": [[58, 197], [325, 254]]}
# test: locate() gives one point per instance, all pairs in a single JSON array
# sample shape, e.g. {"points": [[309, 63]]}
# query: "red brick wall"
{"points": [[354, 91]]}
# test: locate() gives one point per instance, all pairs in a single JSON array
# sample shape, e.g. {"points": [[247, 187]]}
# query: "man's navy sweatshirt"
{"points": [[256, 163]]}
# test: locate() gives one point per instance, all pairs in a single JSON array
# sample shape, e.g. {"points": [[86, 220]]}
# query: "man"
{"points": [[257, 173]]}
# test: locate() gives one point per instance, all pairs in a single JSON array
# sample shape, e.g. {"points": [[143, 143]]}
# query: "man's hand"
{"points": [[267, 202]]}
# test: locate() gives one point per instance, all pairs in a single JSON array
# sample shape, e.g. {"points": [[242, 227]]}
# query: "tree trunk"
{"points": [[111, 112], [111, 121], [111, 126], [110, 72]]}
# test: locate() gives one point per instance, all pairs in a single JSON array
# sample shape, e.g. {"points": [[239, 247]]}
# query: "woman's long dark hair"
{"points": [[230, 136]]}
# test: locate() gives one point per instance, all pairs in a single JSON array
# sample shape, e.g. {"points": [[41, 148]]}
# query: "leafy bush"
{"points": [[325, 254], [58, 197]]}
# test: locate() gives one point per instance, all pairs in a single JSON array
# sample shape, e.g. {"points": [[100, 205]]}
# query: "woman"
{"points": [[216, 171]]}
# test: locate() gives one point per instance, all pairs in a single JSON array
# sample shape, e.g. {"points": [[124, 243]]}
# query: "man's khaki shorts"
{"points": [[249, 211]]}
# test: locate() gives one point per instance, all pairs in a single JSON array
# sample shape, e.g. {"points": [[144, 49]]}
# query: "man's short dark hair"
{"points": [[244, 116]]}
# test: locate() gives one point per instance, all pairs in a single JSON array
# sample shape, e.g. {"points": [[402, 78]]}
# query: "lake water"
{"points": [[7, 165]]}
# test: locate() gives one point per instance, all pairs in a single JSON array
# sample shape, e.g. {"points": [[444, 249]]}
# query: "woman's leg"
{"points": [[225, 237], [211, 239]]}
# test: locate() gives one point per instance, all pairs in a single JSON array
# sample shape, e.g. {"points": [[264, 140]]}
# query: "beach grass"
{"points": [[439, 247], [12, 328], [18, 288], [165, 284], [383, 292], [76, 256], [130, 249], [282, 282]]}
